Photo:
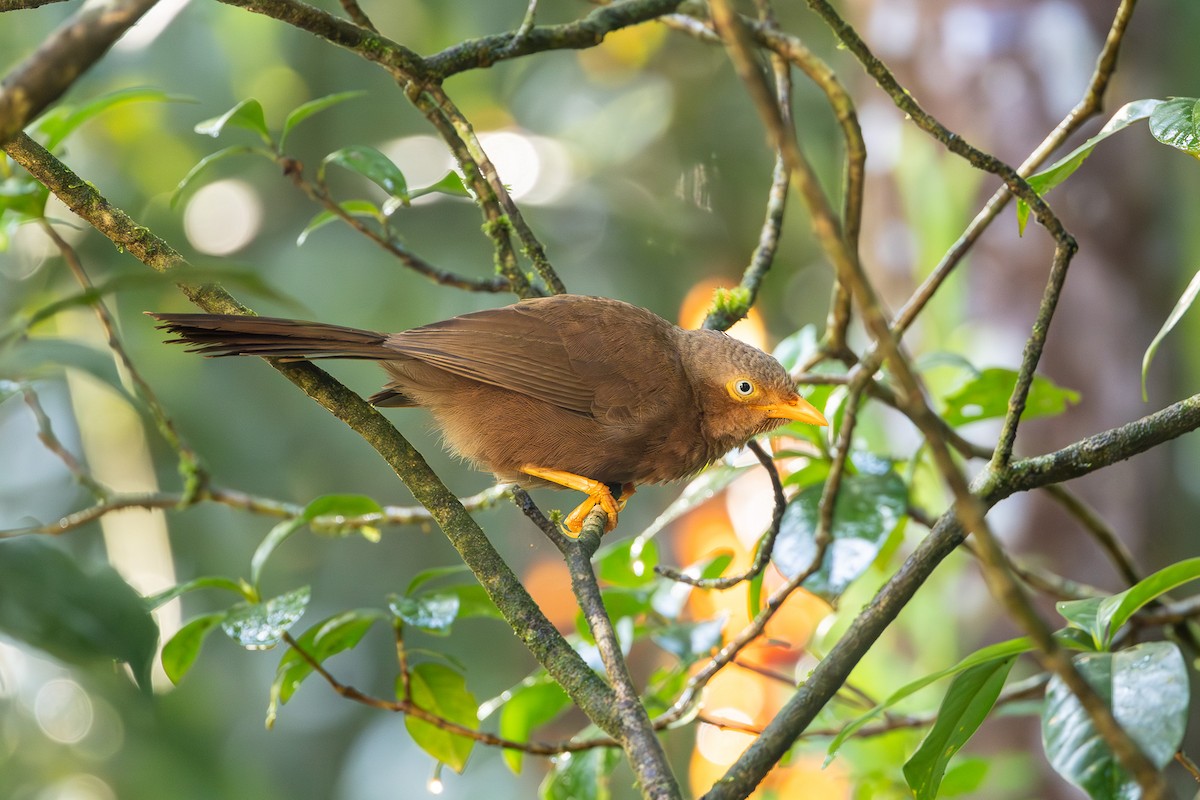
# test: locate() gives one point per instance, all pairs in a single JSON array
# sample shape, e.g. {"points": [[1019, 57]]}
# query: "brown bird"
{"points": [[568, 391]]}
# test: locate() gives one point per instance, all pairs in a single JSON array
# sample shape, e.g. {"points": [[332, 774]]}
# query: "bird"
{"points": [[567, 391]]}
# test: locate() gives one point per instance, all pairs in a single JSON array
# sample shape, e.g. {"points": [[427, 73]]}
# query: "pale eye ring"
{"points": [[743, 387]]}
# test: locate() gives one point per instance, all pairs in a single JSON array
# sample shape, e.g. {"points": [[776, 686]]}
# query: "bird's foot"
{"points": [[598, 493], [574, 520]]}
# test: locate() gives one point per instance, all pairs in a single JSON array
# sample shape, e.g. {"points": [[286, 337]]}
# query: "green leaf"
{"points": [[234, 150], [327, 638], [450, 183], [985, 396], [433, 613], [24, 199], [341, 505], [1060, 170], [526, 707], [965, 777], [357, 208], [442, 691], [260, 626], [62, 121], [993, 652], [1146, 687], [206, 582], [247, 114], [275, 537], [1174, 123], [1181, 307], [701, 489], [1115, 611], [690, 641], [473, 601], [581, 776], [180, 653], [868, 509], [76, 615], [328, 514], [627, 562], [1084, 615], [372, 165], [425, 576], [966, 705], [303, 112]]}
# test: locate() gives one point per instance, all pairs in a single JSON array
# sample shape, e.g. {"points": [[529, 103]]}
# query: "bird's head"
{"points": [[741, 390]]}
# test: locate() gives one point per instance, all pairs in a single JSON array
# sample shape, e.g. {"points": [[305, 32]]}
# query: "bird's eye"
{"points": [[744, 388]]}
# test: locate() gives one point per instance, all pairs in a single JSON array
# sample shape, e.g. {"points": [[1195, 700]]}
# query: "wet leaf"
{"points": [[868, 509], [433, 613], [1174, 123], [372, 165], [1102, 617], [259, 626], [1146, 687]]}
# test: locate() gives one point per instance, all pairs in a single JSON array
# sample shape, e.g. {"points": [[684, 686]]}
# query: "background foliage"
{"points": [[642, 166]]}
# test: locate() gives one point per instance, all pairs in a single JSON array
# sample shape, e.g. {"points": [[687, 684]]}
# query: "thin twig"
{"points": [[320, 194], [406, 706], [766, 544], [52, 443], [189, 462], [232, 498], [1100, 530], [355, 13]]}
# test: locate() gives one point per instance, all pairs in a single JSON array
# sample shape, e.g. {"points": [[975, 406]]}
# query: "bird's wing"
{"points": [[575, 355], [519, 352]]}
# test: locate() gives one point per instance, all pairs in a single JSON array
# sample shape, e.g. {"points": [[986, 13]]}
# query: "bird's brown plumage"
{"points": [[587, 386]]}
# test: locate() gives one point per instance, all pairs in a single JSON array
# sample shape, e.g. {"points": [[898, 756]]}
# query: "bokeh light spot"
{"points": [[63, 711], [223, 217]]}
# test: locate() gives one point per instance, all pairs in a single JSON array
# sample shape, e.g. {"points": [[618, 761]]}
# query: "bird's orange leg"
{"points": [[597, 494]]}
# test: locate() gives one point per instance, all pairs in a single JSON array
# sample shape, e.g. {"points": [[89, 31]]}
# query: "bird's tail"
{"points": [[272, 337]]}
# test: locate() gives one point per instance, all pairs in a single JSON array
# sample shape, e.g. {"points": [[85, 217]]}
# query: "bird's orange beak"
{"points": [[799, 409]]}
